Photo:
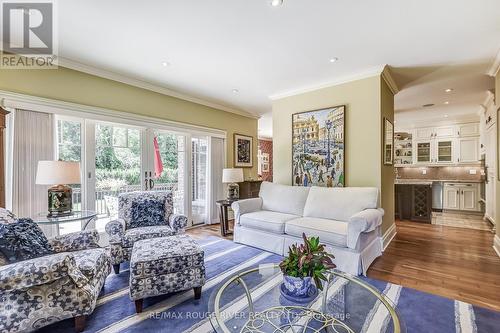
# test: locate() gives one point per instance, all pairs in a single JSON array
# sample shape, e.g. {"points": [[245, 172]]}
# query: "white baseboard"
{"points": [[496, 244], [388, 236]]}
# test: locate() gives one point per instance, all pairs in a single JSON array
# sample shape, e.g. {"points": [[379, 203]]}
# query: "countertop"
{"points": [[430, 181]]}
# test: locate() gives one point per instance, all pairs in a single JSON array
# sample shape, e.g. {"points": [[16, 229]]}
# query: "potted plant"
{"points": [[304, 264]]}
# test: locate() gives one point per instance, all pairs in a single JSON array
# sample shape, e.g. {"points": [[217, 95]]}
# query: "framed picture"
{"points": [[243, 147], [318, 147], [388, 142]]}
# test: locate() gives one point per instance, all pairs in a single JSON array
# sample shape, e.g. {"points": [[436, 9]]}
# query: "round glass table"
{"points": [[250, 301], [86, 216]]}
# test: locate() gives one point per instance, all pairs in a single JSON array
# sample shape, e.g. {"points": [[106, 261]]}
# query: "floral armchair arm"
{"points": [[75, 241], [42, 270], [116, 230], [177, 222]]}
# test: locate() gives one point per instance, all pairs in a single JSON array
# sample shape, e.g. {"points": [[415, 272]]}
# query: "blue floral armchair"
{"points": [[141, 215], [40, 291]]}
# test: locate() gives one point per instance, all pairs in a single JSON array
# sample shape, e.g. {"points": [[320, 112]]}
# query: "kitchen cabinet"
{"points": [[413, 202], [461, 196], [468, 150], [435, 151], [466, 130], [423, 152], [442, 145], [435, 132], [444, 132], [451, 197], [444, 151], [469, 198]]}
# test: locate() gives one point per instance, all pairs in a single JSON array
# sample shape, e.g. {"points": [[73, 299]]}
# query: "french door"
{"points": [[118, 158]]}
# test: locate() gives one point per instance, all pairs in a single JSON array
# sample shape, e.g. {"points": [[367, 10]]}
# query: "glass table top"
{"points": [[250, 301], [75, 216]]}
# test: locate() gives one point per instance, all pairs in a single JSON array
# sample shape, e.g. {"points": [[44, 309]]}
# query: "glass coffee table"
{"points": [[85, 216], [250, 301]]}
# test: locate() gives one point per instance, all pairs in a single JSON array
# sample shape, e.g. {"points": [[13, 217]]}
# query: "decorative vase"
{"points": [[298, 289]]}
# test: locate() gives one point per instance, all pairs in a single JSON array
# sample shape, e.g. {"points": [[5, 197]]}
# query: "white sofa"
{"points": [[347, 220]]}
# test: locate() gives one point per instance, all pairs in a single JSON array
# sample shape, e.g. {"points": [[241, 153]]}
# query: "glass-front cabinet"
{"points": [[444, 151], [423, 151]]}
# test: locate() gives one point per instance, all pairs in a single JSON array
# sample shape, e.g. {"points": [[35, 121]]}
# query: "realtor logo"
{"points": [[28, 35]]}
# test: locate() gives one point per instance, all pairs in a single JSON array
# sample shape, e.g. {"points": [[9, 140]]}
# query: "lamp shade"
{"points": [[232, 175], [58, 172]]}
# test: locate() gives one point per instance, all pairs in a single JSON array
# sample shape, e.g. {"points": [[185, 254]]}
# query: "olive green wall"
{"points": [[77, 87], [364, 100], [387, 175]]}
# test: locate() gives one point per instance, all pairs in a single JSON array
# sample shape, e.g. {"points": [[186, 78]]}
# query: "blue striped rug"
{"points": [[115, 312]]}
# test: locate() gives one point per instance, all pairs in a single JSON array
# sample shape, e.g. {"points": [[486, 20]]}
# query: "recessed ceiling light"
{"points": [[446, 116], [334, 59], [449, 90], [236, 91], [165, 64], [446, 102], [276, 3]]}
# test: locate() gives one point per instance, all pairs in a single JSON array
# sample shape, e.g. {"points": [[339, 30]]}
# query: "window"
{"points": [[69, 148], [69, 140]]}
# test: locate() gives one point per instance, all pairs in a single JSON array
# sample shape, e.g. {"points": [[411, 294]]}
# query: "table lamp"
{"points": [[232, 177], [58, 174]]}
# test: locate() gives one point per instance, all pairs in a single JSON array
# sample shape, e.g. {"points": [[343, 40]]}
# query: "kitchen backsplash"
{"points": [[441, 173]]}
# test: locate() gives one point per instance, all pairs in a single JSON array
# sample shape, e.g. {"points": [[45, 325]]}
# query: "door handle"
{"points": [[151, 184]]}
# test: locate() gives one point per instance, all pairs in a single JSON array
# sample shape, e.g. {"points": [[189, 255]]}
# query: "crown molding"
{"points": [[67, 63], [374, 71], [14, 100], [387, 76], [495, 66], [488, 101]]}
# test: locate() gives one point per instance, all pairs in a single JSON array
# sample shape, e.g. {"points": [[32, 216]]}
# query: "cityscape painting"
{"points": [[318, 147]]}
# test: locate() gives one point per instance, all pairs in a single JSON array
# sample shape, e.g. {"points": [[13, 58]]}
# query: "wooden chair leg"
{"points": [[116, 268], [79, 324], [197, 292], [138, 306]]}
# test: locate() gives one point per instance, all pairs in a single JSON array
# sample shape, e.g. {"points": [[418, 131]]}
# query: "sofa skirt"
{"points": [[351, 261]]}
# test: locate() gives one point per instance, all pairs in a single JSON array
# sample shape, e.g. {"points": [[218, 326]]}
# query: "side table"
{"points": [[224, 222]]}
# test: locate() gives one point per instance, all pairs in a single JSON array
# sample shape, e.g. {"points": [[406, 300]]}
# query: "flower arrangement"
{"points": [[308, 260]]}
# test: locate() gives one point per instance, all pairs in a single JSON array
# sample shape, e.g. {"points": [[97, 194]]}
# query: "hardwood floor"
{"points": [[452, 262], [456, 263]]}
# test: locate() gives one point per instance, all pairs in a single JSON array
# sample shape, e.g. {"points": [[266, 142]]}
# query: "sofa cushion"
{"points": [[339, 203], [133, 235], [329, 231], [283, 198], [266, 220], [147, 213]]}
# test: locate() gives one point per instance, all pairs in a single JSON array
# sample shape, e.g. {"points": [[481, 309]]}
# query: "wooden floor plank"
{"points": [[456, 263]]}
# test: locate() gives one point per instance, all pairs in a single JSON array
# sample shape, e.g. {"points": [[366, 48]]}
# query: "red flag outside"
{"points": [[158, 162]]}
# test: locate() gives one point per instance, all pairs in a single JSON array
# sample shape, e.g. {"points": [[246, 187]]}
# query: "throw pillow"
{"points": [[146, 213], [23, 240]]}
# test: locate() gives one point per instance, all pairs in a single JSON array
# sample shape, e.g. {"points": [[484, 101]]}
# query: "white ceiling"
{"points": [[215, 46]]}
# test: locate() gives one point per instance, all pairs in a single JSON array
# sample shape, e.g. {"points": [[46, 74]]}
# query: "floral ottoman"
{"points": [[165, 265]]}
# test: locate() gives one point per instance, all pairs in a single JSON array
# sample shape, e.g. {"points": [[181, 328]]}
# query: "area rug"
{"points": [[115, 312]]}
